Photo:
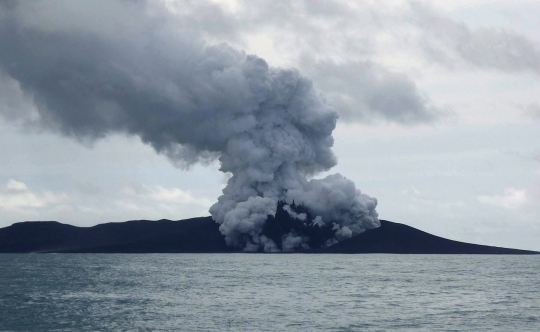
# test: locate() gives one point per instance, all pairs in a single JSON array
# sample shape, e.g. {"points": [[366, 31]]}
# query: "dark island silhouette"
{"points": [[201, 235]]}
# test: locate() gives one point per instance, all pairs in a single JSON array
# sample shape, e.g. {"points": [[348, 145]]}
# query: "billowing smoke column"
{"points": [[268, 126]]}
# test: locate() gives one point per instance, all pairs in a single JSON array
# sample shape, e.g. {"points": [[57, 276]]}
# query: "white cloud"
{"points": [[16, 196], [411, 191], [139, 201], [13, 186], [511, 199], [164, 195], [172, 195]]}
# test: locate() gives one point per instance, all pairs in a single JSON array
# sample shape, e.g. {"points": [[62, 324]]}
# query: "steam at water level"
{"points": [[268, 126]]}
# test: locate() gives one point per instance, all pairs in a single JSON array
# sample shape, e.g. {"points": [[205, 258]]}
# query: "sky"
{"points": [[438, 103]]}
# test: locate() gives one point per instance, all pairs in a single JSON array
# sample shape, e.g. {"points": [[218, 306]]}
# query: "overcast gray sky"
{"points": [[439, 106]]}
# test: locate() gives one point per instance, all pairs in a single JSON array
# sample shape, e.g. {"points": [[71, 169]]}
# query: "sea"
{"points": [[268, 292]]}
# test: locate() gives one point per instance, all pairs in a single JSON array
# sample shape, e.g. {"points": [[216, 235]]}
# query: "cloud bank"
{"points": [[449, 42], [511, 199]]}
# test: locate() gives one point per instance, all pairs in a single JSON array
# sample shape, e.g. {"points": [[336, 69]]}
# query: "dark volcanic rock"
{"points": [[282, 223], [201, 235], [138, 236], [394, 238]]}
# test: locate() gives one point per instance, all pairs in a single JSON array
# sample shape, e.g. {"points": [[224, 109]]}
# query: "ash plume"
{"points": [[152, 77]]}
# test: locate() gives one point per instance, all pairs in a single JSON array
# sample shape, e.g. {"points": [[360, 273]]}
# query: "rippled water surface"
{"points": [[250, 292]]}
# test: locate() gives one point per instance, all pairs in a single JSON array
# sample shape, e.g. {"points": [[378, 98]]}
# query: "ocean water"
{"points": [[252, 292]]}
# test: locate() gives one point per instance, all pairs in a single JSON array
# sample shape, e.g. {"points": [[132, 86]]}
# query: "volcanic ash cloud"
{"points": [[268, 127]]}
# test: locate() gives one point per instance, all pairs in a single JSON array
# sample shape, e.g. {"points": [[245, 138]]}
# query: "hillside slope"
{"points": [[201, 235]]}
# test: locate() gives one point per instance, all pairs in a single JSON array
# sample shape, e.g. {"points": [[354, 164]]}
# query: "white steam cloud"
{"points": [[193, 102]]}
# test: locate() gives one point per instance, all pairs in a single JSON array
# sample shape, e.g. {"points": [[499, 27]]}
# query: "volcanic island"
{"points": [[202, 235]]}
